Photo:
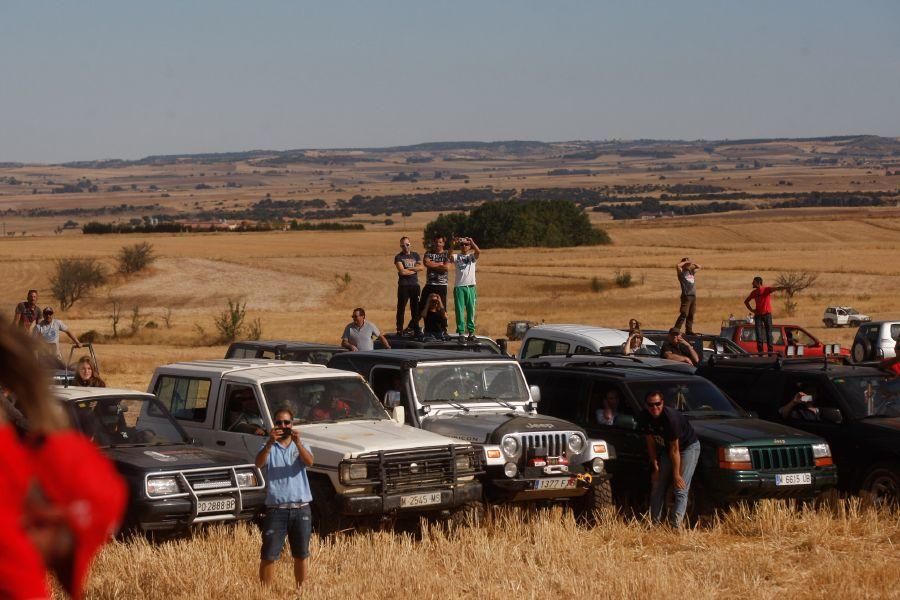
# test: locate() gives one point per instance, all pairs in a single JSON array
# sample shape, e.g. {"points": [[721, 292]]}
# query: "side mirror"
{"points": [[398, 414], [392, 399], [831, 415], [626, 422]]}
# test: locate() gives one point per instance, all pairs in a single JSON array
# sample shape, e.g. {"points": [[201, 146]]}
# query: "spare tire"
{"points": [[861, 351]]}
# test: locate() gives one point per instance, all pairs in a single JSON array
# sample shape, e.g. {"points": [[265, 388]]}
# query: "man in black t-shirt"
{"points": [[437, 264], [408, 265], [674, 450], [677, 348]]}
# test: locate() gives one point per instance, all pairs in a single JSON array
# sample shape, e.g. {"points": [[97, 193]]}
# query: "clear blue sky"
{"points": [[125, 79]]}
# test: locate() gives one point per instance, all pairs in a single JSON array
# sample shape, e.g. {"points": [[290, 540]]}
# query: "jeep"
{"points": [[367, 466], [840, 316], [741, 457], [484, 399], [875, 341], [858, 412], [173, 483], [283, 350]]}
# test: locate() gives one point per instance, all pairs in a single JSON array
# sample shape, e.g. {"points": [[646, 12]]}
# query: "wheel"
{"points": [[700, 503], [598, 496], [853, 323], [861, 350], [882, 483], [829, 323], [470, 514], [325, 515]]}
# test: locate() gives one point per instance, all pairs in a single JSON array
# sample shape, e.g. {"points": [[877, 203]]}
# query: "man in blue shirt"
{"points": [[287, 497]]}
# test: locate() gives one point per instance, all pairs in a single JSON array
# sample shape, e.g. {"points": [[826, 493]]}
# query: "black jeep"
{"points": [[741, 457], [311, 352], [857, 409]]}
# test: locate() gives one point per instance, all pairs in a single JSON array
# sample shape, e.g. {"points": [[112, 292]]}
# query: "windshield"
{"points": [[324, 400], [467, 382], [127, 422], [696, 397], [870, 396]]}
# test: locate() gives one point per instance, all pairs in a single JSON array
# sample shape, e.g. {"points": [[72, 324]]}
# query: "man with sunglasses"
{"points": [[464, 296], [288, 496], [408, 265], [674, 450]]}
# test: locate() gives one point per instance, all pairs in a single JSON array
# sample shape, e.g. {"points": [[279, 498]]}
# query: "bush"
{"points": [[73, 278], [623, 279], [230, 323], [135, 258], [597, 284]]}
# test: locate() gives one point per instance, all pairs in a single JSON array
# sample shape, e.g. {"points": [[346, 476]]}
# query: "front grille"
{"points": [[423, 468], [554, 443], [781, 457], [208, 480]]}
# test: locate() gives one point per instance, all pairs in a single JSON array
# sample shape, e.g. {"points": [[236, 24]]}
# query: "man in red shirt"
{"points": [[762, 314]]}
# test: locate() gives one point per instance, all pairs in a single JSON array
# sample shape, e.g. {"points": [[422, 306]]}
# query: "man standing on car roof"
{"points": [[674, 450], [762, 313], [47, 330], [464, 296], [408, 265], [686, 269]]}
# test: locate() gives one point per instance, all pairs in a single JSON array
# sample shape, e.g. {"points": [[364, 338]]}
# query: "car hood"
{"points": [[733, 431], [490, 427], [358, 437], [170, 458]]}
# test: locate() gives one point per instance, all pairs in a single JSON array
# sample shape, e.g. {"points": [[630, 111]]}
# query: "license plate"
{"points": [[793, 479], [557, 483], [414, 500], [217, 505]]}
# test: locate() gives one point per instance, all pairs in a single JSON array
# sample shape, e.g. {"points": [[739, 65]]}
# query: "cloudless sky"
{"points": [[126, 79]]}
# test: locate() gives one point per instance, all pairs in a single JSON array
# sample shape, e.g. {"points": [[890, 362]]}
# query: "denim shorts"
{"points": [[292, 523]]}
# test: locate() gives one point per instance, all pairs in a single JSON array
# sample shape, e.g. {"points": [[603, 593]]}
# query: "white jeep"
{"points": [[366, 463], [842, 316], [567, 339]]}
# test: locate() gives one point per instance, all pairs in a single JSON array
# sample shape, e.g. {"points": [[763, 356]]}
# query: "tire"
{"points": [[598, 496], [861, 350], [853, 323], [882, 484], [327, 520], [700, 504], [470, 514], [829, 323]]}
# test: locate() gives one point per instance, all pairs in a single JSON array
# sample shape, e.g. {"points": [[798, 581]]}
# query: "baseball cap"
{"points": [[84, 484]]}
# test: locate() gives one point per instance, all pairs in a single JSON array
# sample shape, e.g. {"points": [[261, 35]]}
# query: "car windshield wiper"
{"points": [[458, 405], [495, 399]]}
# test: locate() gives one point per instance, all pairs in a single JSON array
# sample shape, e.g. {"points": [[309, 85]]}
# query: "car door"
{"points": [[800, 337], [240, 425], [629, 443]]}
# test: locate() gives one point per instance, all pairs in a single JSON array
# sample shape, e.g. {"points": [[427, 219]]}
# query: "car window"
{"points": [[540, 347], [800, 337], [696, 396], [562, 397], [241, 414], [324, 400], [895, 331], [869, 396], [238, 352], [605, 403], [185, 397], [112, 421]]}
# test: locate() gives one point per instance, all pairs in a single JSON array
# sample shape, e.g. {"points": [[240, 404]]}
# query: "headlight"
{"points": [[510, 446], [821, 451], [463, 463], [162, 486], [736, 454], [246, 479], [576, 444], [510, 469], [597, 465], [353, 471]]}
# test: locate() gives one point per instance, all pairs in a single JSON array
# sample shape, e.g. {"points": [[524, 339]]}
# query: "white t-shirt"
{"points": [[49, 332], [465, 269]]}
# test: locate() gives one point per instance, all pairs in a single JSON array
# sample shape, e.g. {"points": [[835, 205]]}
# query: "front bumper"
{"points": [[524, 487], [358, 505], [728, 486], [174, 514]]}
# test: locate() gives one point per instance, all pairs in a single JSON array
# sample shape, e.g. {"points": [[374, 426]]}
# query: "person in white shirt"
{"points": [[464, 296]]}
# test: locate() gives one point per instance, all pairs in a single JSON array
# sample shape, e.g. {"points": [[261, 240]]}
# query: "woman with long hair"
{"points": [[435, 317], [87, 374]]}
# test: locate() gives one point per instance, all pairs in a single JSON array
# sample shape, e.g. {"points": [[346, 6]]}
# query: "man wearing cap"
{"points": [[677, 348], [464, 297], [47, 330], [28, 312]]}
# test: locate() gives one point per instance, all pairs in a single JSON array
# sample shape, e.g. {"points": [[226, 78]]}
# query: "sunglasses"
{"points": [[654, 404], [284, 422]]}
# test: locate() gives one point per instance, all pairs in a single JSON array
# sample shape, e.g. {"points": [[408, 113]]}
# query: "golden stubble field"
{"points": [[288, 281]]}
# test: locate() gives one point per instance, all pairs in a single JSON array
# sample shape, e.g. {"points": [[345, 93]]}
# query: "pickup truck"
{"points": [[173, 484], [367, 466], [484, 399], [784, 337]]}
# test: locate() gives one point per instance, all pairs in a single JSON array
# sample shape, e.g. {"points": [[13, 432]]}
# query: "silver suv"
{"points": [[875, 341]]}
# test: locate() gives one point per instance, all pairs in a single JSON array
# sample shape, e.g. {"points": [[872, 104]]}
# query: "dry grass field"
{"points": [[289, 281]]}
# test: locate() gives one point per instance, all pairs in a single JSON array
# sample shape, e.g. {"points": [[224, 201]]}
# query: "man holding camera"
{"points": [[287, 497], [464, 296], [677, 348]]}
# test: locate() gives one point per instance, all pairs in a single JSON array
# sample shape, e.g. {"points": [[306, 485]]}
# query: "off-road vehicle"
{"points": [[366, 464], [858, 411], [844, 316], [563, 339], [741, 457], [283, 350], [485, 400], [173, 483], [479, 344], [875, 341]]}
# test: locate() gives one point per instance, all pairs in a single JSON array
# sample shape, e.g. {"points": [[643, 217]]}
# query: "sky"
{"points": [[126, 79]]}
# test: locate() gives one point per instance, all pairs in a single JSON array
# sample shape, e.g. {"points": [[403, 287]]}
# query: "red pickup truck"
{"points": [[783, 336]]}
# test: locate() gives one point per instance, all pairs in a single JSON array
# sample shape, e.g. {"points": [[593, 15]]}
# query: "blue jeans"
{"points": [[292, 523], [659, 489]]}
